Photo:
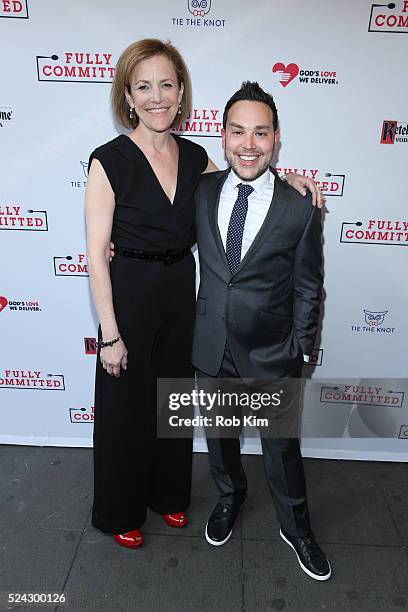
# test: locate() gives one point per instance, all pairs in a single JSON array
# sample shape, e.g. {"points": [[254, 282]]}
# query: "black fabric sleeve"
{"points": [[105, 158], [203, 159]]}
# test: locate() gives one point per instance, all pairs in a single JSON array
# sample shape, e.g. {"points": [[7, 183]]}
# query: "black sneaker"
{"points": [[311, 558], [219, 527]]}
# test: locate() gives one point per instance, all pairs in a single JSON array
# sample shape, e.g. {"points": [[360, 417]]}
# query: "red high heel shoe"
{"points": [[178, 519], [130, 539]]}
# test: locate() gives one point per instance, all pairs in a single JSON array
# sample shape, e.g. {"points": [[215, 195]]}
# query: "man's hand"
{"points": [[301, 183], [111, 251]]}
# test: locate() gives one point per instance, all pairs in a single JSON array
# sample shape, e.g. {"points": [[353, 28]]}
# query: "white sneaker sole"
{"points": [[304, 568], [212, 542]]}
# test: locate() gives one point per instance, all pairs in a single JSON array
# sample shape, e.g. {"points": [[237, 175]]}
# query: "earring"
{"points": [[131, 112], [179, 109]]}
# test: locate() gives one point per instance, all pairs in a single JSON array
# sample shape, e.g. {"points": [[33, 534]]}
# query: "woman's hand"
{"points": [[114, 357], [301, 183]]}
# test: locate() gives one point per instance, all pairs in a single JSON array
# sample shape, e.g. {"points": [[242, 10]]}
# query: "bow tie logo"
{"points": [[199, 8]]}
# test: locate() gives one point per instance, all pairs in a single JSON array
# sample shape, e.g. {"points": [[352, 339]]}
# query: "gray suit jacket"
{"points": [[269, 308]]}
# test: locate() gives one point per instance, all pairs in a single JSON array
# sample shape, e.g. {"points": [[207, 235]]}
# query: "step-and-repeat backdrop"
{"points": [[336, 70]]}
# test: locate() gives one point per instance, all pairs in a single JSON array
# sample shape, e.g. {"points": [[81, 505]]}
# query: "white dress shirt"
{"points": [[259, 202]]}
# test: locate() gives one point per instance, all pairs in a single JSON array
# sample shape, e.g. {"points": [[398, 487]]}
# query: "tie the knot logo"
{"points": [[374, 318], [199, 8]]}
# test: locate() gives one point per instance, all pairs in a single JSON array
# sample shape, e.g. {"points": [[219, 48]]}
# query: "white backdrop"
{"points": [[335, 70]]}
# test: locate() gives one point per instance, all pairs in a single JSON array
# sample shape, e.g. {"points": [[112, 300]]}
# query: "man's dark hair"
{"points": [[254, 93]]}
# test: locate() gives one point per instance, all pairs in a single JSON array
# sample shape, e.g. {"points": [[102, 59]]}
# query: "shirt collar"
{"points": [[259, 184]]}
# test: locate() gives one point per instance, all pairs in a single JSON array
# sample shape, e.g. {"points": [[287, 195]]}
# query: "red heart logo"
{"points": [[288, 72], [3, 302]]}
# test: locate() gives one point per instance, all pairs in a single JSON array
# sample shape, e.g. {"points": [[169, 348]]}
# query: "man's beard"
{"points": [[261, 170]]}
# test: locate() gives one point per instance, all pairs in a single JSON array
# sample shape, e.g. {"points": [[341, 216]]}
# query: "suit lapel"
{"points": [[213, 199], [273, 216]]}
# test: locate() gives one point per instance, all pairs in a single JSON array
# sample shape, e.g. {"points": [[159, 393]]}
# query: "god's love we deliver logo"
{"points": [[19, 305], [285, 74]]}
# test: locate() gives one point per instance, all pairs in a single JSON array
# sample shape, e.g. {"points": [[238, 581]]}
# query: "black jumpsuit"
{"points": [[154, 306]]}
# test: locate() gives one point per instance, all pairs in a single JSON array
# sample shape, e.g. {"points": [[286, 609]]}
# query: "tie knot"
{"points": [[244, 190]]}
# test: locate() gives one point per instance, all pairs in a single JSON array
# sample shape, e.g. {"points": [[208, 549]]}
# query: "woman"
{"points": [[140, 194]]}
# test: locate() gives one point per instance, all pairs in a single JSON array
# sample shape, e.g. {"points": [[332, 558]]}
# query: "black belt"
{"points": [[168, 256]]}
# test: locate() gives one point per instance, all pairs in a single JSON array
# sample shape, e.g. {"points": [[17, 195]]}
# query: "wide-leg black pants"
{"points": [[133, 469]]}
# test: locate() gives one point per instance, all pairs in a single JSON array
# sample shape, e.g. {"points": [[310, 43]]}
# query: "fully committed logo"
{"points": [[389, 18], [202, 122], [71, 266], [19, 305], [77, 67], [373, 320], [81, 415], [31, 379], [198, 9], [15, 217], [6, 116], [375, 231], [316, 358], [394, 131], [286, 73], [90, 346], [403, 432], [361, 394], [331, 183], [14, 9]]}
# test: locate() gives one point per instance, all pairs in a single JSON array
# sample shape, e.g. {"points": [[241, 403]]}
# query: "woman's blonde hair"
{"points": [[135, 53]]}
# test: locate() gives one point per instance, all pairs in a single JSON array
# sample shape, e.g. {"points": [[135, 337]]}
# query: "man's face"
{"points": [[249, 139]]}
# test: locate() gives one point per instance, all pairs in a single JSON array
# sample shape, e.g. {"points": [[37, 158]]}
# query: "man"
{"points": [[258, 307]]}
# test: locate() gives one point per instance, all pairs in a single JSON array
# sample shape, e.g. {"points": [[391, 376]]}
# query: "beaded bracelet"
{"points": [[109, 343]]}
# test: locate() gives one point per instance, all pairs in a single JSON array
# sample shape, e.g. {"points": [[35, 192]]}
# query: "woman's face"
{"points": [[155, 93]]}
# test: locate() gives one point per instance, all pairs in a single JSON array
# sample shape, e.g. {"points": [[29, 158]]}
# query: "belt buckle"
{"points": [[169, 256]]}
